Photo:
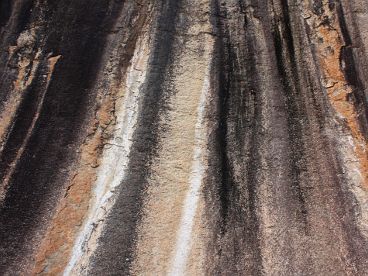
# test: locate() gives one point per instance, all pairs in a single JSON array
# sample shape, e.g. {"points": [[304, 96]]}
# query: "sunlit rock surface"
{"points": [[183, 137]]}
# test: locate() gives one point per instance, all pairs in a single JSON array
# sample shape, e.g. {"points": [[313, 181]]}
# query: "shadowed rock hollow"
{"points": [[183, 137]]}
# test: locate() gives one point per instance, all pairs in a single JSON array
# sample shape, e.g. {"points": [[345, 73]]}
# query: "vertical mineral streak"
{"points": [[191, 137], [114, 164], [199, 167]]}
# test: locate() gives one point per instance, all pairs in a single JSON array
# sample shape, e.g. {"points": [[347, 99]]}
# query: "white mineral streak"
{"points": [[352, 172], [114, 162], [199, 165]]}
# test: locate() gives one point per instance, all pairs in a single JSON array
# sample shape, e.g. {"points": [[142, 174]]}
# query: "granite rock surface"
{"points": [[184, 137]]}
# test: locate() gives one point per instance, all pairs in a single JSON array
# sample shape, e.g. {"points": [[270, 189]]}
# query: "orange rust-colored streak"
{"points": [[329, 45], [53, 254], [54, 251]]}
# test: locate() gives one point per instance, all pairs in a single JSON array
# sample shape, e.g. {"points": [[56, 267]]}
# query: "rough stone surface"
{"points": [[184, 137]]}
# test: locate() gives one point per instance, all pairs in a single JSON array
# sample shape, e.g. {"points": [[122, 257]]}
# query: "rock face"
{"points": [[183, 137]]}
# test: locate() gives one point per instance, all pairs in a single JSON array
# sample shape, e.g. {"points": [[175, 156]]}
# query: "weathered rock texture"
{"points": [[183, 137]]}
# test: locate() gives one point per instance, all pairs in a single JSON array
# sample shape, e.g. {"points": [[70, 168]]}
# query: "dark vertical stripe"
{"points": [[237, 229], [352, 74], [114, 254], [79, 37]]}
